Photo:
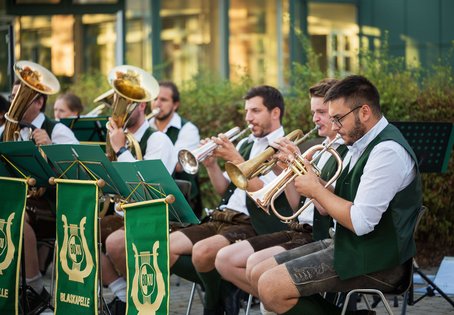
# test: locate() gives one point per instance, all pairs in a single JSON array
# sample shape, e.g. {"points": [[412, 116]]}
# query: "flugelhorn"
{"points": [[266, 196], [131, 86], [262, 163], [189, 160], [35, 80]]}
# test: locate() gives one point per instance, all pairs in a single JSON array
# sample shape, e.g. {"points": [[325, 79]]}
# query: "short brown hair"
{"points": [[321, 88]]}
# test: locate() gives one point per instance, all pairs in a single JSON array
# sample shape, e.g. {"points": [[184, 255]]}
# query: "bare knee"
{"points": [[115, 245], [203, 256]]}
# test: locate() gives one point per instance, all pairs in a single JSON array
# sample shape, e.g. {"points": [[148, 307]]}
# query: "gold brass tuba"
{"points": [[35, 80], [130, 86], [266, 196], [189, 160], [262, 163]]}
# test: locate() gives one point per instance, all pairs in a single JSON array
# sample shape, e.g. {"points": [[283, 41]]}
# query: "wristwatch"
{"points": [[120, 151]]}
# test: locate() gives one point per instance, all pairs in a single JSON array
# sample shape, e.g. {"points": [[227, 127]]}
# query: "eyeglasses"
{"points": [[337, 120]]}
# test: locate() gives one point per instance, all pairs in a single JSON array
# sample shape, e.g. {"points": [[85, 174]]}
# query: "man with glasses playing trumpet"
{"points": [[375, 204], [231, 261], [238, 217]]}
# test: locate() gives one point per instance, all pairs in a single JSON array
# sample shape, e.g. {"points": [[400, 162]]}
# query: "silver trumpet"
{"points": [[154, 112], [189, 160]]}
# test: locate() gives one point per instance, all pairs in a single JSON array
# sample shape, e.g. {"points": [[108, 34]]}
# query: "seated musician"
{"points": [[183, 133], [67, 105], [42, 131], [375, 203], [238, 217], [231, 260], [154, 145]]}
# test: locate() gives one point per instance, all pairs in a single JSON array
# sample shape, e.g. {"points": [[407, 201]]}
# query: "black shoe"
{"points": [[364, 312], [218, 311], [117, 307], [37, 303]]}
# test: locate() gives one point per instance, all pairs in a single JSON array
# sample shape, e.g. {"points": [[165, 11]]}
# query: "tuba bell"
{"points": [[35, 80], [130, 86], [266, 196]]}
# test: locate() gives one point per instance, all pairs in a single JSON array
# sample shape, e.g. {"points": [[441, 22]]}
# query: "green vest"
{"points": [[391, 242], [48, 125], [261, 221], [172, 133], [322, 223], [144, 140]]}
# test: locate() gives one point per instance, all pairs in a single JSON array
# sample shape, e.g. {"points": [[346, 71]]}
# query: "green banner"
{"points": [[13, 195], [77, 247], [147, 252]]}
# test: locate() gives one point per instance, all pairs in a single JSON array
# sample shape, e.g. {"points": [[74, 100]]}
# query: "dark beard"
{"points": [[358, 131], [164, 117]]}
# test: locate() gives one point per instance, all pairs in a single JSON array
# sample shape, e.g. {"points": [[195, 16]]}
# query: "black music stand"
{"points": [[432, 143], [16, 160]]}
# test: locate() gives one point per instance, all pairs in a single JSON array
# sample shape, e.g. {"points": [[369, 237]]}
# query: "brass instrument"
{"points": [[106, 100], [153, 113], [189, 160], [35, 80], [130, 86], [262, 163], [266, 196]]}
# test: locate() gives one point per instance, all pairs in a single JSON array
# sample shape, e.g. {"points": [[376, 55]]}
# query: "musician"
{"points": [[183, 133], [44, 131], [154, 145], [67, 105], [238, 217], [231, 260], [375, 203]]}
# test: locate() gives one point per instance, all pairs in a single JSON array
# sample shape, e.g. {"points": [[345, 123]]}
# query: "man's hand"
{"points": [[41, 137], [309, 183], [116, 135], [210, 160], [226, 150], [286, 153]]}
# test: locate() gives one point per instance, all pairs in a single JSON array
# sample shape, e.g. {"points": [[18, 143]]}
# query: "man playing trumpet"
{"points": [[237, 217], [375, 204], [231, 261]]}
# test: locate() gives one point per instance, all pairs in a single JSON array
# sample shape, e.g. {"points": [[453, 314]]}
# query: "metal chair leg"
{"points": [[367, 291], [249, 303], [191, 298]]}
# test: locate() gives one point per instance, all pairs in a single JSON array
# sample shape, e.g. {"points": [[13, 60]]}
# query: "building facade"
{"points": [[177, 39]]}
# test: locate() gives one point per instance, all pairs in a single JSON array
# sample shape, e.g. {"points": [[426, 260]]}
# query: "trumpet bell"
{"points": [[37, 77], [188, 161], [133, 83]]}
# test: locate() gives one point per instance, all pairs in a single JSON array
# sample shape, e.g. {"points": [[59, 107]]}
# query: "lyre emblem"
{"points": [[76, 249], [7, 247], [149, 279]]}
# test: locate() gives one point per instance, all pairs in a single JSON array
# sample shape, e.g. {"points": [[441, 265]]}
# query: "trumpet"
{"points": [[261, 164], [266, 196], [189, 160]]}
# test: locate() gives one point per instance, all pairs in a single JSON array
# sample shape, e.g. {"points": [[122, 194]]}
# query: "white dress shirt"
{"points": [[307, 216], [61, 134], [388, 170], [159, 147], [188, 138], [238, 199]]}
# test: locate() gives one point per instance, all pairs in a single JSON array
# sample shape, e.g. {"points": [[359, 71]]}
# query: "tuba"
{"points": [[35, 81], [130, 86], [262, 163], [266, 196], [189, 160]]}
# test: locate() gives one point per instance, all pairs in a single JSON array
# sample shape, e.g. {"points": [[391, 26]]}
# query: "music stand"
{"points": [[22, 159], [432, 143], [153, 173], [88, 130]]}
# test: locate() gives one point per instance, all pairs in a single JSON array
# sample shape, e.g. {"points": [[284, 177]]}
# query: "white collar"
{"points": [[139, 133], [39, 120]]}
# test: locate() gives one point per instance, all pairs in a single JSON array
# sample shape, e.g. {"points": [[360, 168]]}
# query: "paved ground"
{"points": [[180, 291]]}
